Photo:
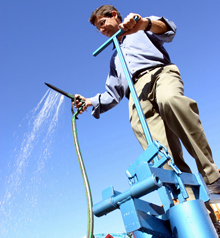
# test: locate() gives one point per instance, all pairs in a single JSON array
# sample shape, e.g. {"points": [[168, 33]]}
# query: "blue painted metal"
{"points": [[190, 219], [140, 234], [133, 93], [115, 199], [185, 220]]}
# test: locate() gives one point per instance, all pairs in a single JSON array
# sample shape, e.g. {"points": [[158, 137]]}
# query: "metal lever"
{"points": [[129, 80]]}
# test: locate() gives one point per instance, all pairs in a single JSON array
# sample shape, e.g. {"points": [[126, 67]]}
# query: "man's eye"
{"points": [[102, 22]]}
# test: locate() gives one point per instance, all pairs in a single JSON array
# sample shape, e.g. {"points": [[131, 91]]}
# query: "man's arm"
{"points": [[157, 26]]}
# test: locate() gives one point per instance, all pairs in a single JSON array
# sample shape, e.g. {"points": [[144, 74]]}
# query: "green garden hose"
{"points": [[80, 159], [85, 178]]}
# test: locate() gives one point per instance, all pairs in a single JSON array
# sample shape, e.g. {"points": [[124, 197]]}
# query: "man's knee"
{"points": [[167, 102], [176, 104]]}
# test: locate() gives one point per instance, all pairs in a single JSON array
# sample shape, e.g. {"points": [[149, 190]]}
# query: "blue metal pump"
{"points": [[146, 220]]}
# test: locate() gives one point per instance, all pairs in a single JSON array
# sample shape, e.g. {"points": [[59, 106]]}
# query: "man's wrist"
{"points": [[88, 102], [149, 24]]}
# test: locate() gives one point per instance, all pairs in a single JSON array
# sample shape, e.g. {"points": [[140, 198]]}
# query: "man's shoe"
{"points": [[214, 188], [217, 228]]}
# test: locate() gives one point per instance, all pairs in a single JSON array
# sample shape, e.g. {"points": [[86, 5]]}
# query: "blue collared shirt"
{"points": [[141, 50]]}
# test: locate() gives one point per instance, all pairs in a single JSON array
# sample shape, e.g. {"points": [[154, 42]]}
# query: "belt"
{"points": [[142, 72]]}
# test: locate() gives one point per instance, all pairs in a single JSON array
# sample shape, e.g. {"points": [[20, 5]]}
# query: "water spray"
{"points": [[79, 156]]}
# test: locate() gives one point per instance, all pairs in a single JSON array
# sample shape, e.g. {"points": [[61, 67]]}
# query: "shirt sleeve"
{"points": [[167, 36], [115, 91]]}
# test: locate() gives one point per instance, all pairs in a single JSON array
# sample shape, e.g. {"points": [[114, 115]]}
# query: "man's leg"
{"points": [[182, 117], [170, 115], [159, 130]]}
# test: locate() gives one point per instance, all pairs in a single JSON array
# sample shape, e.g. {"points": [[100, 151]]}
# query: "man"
{"points": [[170, 115]]}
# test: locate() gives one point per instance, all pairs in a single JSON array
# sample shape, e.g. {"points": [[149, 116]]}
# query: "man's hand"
{"points": [[79, 103], [130, 26]]}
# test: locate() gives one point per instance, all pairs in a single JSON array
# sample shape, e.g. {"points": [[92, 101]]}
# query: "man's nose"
{"points": [[102, 30]]}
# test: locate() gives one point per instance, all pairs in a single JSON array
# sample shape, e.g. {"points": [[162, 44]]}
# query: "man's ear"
{"points": [[114, 14]]}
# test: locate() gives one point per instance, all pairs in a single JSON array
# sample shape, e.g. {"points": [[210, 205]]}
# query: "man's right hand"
{"points": [[130, 26]]}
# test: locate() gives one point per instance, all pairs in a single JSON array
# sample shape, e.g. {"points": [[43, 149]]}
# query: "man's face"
{"points": [[108, 26]]}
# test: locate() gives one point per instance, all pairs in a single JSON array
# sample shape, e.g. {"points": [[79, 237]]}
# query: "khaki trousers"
{"points": [[172, 116]]}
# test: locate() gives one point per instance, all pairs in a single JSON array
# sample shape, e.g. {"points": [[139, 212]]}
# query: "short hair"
{"points": [[104, 10]]}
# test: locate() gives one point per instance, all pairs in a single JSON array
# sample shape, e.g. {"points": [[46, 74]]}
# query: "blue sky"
{"points": [[52, 41]]}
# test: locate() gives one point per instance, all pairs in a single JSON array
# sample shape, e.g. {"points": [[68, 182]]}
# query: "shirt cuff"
{"points": [[96, 106]]}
